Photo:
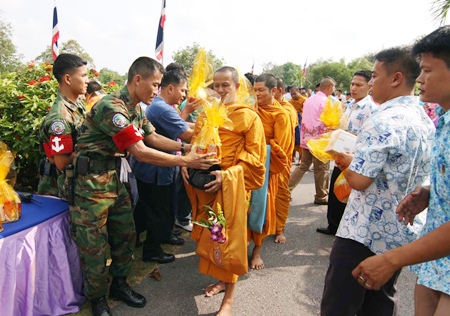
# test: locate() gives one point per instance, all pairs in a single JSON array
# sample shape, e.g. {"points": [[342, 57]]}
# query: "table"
{"points": [[40, 272]]}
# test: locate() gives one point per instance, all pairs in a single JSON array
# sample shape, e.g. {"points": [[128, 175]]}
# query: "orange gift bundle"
{"points": [[9, 199], [216, 116], [341, 188]]}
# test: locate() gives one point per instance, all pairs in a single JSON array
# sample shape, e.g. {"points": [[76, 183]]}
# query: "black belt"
{"points": [[103, 165]]}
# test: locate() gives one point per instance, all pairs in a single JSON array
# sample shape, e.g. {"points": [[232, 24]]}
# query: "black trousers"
{"points": [[156, 200], [342, 294], [335, 208]]}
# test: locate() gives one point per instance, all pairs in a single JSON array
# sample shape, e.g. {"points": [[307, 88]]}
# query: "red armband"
{"points": [[127, 137], [59, 145]]}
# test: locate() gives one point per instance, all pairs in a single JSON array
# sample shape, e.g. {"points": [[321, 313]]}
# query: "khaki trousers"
{"points": [[321, 175]]}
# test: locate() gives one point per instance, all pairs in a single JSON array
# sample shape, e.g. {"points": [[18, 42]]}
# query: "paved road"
{"points": [[290, 285]]}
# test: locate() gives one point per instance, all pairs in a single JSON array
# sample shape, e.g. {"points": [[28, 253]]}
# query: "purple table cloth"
{"points": [[40, 272]]}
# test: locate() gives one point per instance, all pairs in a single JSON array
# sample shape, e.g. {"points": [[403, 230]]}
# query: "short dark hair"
{"points": [[437, 43], [173, 77], [234, 72], [176, 66], [400, 59], [66, 64], [144, 66], [250, 77], [367, 74], [93, 86], [269, 80], [280, 83]]}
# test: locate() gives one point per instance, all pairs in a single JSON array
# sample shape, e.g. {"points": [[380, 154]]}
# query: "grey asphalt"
{"points": [[291, 283]]}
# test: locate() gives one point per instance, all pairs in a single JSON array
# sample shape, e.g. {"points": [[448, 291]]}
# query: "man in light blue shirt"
{"points": [[391, 158]]}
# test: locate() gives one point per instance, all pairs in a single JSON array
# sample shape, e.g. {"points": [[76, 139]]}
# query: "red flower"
{"points": [[30, 66], [20, 97], [47, 63], [44, 78], [33, 83], [48, 108], [112, 83]]}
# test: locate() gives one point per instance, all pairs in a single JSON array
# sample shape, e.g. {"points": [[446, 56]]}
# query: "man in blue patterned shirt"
{"points": [[432, 292], [391, 158], [356, 113]]}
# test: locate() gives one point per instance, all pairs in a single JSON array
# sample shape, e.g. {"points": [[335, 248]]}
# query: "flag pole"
{"points": [[159, 49], [55, 34]]}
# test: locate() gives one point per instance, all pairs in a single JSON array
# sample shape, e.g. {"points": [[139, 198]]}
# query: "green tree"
{"points": [[186, 57], [290, 73], [108, 75], [69, 47], [440, 9], [9, 58]]}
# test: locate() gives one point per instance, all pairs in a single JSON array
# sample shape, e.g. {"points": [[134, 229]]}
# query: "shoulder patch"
{"points": [[119, 120], [58, 127]]}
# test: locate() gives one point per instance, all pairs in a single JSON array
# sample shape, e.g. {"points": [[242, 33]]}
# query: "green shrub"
{"points": [[25, 98]]}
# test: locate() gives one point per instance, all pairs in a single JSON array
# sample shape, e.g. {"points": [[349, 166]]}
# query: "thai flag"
{"points": [[160, 38], [55, 35], [304, 68]]}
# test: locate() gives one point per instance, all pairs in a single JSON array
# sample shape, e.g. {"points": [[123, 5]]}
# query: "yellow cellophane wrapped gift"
{"points": [[201, 75], [216, 116], [9, 199], [331, 113], [317, 147], [331, 116]]}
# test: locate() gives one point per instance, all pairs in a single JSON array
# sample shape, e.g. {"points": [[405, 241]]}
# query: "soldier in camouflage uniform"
{"points": [[102, 212], [59, 130]]}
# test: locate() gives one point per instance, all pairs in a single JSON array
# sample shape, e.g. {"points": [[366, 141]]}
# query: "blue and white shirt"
{"points": [[393, 147], [436, 274], [357, 113]]}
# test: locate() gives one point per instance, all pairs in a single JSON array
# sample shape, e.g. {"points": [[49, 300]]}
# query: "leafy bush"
{"points": [[25, 98]]}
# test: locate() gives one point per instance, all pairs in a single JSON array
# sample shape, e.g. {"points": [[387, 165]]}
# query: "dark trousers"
{"points": [[183, 205], [342, 294], [335, 208], [156, 201]]}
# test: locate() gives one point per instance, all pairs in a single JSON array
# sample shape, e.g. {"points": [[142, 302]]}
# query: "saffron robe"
{"points": [[283, 199], [278, 133], [243, 153]]}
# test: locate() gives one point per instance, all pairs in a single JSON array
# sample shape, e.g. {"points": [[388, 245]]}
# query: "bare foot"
{"points": [[256, 262], [214, 289], [225, 310], [281, 238]]}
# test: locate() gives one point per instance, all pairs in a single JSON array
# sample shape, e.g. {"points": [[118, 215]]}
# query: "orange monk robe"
{"points": [[278, 132], [298, 105], [282, 201], [243, 154]]}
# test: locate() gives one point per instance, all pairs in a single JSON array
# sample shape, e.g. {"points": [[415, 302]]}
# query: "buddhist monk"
{"points": [[297, 101], [242, 154], [282, 201], [278, 133]]}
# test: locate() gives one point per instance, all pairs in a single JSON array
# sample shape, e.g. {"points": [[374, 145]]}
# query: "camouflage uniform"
{"points": [[58, 135], [102, 212]]}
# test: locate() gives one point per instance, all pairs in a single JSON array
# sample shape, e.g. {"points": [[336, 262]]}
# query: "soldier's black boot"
{"points": [[100, 307], [120, 290]]}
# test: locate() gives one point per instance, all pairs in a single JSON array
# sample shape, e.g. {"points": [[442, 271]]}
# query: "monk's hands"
{"points": [[413, 204], [375, 271], [343, 160], [216, 184], [184, 174], [199, 161]]}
